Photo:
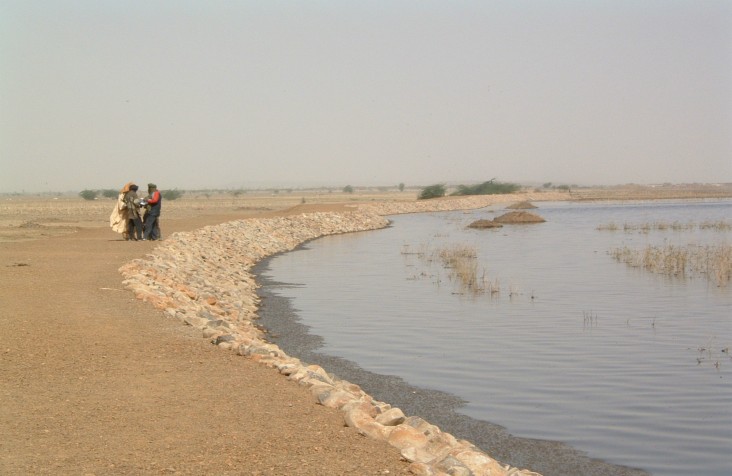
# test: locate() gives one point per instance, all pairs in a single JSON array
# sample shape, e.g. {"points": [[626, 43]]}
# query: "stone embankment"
{"points": [[203, 278]]}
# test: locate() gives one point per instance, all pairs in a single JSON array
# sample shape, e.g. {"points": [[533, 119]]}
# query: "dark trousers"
{"points": [[152, 228], [134, 228]]}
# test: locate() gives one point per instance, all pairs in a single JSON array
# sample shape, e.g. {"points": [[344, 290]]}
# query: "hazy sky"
{"points": [[222, 94]]}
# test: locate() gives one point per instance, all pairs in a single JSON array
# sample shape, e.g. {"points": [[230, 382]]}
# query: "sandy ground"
{"points": [[93, 381]]}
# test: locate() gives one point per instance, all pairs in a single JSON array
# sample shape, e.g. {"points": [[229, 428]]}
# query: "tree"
{"points": [[109, 193], [490, 187], [401, 187], [172, 194], [88, 194], [433, 191], [347, 189]]}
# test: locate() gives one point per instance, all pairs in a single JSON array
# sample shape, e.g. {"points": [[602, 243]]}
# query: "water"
{"points": [[624, 365]]}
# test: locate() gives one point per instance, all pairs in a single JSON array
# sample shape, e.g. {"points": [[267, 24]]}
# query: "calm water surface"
{"points": [[627, 366]]}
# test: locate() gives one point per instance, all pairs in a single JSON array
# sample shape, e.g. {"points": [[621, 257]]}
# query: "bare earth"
{"points": [[93, 381]]}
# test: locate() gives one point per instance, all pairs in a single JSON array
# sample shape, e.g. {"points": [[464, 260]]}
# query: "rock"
{"points": [[392, 417], [310, 375], [422, 469], [288, 369], [195, 321], [405, 436], [453, 467], [224, 338], [359, 415], [336, 398], [219, 323], [478, 462]]}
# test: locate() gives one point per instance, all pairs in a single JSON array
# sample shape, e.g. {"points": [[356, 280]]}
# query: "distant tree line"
{"points": [[565, 188], [88, 194], [93, 194]]}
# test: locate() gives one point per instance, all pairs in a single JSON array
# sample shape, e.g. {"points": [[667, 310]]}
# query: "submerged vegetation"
{"points": [[720, 225], [461, 263], [712, 261]]}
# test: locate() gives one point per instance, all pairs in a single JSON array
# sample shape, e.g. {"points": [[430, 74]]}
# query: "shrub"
{"points": [[88, 194], [109, 193], [172, 194], [347, 189], [433, 191], [490, 187]]}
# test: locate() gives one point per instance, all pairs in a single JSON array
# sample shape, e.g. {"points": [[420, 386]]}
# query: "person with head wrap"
{"points": [[134, 222], [120, 214], [154, 201]]}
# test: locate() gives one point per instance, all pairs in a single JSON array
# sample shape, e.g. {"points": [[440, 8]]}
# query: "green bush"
{"points": [[433, 191], [110, 193], [172, 194], [88, 194], [490, 187]]}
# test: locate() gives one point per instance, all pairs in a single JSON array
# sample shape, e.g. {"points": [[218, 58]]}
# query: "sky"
{"points": [[243, 94]]}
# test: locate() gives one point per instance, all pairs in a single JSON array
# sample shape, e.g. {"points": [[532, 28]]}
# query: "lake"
{"points": [[577, 355]]}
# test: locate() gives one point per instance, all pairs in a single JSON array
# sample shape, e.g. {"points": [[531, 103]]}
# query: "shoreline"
{"points": [[228, 317], [204, 279], [439, 407]]}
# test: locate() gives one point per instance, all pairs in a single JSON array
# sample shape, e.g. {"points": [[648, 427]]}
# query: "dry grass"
{"points": [[712, 261], [720, 225], [462, 263]]}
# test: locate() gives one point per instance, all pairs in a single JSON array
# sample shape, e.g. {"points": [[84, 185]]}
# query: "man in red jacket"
{"points": [[152, 217]]}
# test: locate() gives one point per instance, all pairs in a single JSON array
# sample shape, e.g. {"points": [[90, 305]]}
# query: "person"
{"points": [[154, 201], [120, 215], [134, 222]]}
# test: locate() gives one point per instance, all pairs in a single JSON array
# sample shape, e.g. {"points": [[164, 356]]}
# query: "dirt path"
{"points": [[93, 381]]}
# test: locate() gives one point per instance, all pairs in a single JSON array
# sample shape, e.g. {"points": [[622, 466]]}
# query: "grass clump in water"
{"points": [[712, 261], [462, 261]]}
